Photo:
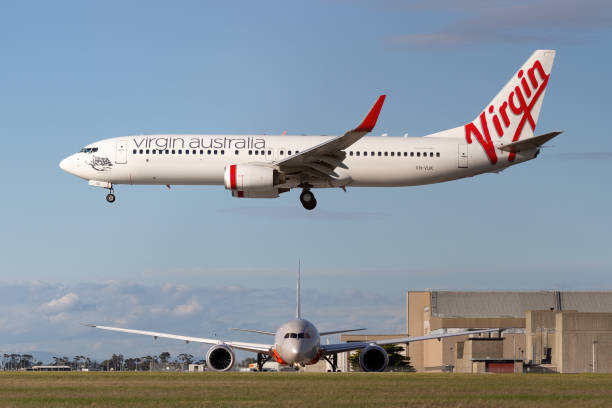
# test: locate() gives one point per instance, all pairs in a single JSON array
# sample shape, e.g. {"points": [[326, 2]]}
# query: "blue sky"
{"points": [[74, 72]]}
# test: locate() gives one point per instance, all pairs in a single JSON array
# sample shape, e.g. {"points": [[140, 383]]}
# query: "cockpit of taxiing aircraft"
{"points": [[88, 150]]}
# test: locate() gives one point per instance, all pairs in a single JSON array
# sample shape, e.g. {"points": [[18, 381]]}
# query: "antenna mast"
{"points": [[297, 309]]}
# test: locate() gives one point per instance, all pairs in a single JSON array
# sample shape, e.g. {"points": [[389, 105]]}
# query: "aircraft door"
{"points": [[463, 156], [121, 152]]}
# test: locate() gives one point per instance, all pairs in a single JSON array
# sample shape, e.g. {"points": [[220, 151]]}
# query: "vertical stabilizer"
{"points": [[298, 312], [514, 112]]}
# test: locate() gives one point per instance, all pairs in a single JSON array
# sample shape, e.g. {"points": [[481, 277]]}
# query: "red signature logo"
{"points": [[519, 106]]}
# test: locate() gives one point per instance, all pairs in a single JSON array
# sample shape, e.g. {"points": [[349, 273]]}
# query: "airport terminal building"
{"points": [[546, 331]]}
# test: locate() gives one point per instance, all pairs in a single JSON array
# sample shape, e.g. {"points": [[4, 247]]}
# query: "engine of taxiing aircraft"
{"points": [[220, 358], [373, 359]]}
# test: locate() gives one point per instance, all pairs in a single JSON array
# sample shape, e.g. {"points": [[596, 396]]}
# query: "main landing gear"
{"points": [[308, 199], [110, 197]]}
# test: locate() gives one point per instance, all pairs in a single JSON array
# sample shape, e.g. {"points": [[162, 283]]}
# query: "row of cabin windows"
{"points": [[398, 154], [209, 151], [269, 152], [297, 335]]}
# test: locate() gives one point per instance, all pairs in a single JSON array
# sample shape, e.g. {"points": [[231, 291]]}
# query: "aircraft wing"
{"points": [[344, 347], [320, 161], [254, 347], [327, 333]]}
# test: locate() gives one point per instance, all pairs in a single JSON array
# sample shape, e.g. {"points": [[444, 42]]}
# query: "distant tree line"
{"points": [[117, 362]]}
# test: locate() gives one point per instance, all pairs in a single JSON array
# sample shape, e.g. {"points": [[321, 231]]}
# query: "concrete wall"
{"points": [[584, 342]]}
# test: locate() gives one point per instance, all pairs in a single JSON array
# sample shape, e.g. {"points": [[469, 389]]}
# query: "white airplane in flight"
{"points": [[296, 343], [264, 166]]}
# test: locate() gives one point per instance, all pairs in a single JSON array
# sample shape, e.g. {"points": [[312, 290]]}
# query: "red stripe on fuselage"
{"points": [[233, 177]]}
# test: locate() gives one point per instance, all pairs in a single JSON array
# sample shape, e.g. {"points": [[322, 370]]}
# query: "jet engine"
{"points": [[373, 359], [247, 177], [220, 358]]}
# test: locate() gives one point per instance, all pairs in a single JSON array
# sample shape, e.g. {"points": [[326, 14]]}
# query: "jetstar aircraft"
{"points": [[263, 166], [296, 343]]}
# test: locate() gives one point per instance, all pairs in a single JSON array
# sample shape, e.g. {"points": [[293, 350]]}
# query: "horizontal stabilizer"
{"points": [[327, 333], [529, 144]]}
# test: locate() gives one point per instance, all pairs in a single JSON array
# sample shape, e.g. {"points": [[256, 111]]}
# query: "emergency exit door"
{"points": [[463, 156]]}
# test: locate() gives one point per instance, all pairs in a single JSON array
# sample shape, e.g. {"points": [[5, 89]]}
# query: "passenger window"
{"points": [[411, 154], [236, 152], [373, 154], [186, 151], [134, 151], [399, 154], [153, 151], [405, 154], [386, 154], [180, 151], [281, 152], [256, 152], [269, 152], [350, 153], [297, 151], [222, 151], [418, 154], [430, 154], [208, 151], [167, 151], [379, 154], [194, 151], [215, 151], [392, 153], [140, 151], [201, 151], [365, 153], [357, 153], [438, 154], [95, 149]]}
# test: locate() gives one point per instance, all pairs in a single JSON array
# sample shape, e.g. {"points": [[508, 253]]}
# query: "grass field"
{"points": [[302, 389]]}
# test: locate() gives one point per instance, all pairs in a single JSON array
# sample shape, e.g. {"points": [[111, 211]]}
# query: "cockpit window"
{"points": [[300, 335], [88, 150], [307, 335], [286, 335], [293, 335]]}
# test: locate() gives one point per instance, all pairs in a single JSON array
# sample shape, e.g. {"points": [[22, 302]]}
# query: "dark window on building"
{"points": [[286, 335]]}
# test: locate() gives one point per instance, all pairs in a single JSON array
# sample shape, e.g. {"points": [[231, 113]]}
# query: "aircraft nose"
{"points": [[64, 164]]}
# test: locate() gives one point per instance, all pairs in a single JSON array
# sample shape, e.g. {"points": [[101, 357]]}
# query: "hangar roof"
{"points": [[515, 304]]}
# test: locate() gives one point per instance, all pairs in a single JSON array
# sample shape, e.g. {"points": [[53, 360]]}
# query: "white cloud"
{"points": [[63, 303], [188, 308]]}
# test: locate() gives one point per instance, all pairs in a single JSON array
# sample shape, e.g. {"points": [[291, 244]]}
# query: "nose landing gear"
{"points": [[308, 199], [110, 197]]}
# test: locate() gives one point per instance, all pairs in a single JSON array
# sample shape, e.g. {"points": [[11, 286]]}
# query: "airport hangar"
{"points": [[544, 331]]}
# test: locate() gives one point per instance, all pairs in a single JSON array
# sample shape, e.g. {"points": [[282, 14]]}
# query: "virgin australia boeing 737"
{"points": [[262, 166], [296, 343]]}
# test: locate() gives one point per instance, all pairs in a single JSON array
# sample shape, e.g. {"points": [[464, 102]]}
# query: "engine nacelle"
{"points": [[373, 359], [246, 177], [220, 358]]}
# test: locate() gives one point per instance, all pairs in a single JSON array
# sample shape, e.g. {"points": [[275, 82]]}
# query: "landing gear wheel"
{"points": [[308, 199], [110, 197]]}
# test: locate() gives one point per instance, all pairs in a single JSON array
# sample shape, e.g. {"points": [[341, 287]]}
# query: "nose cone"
{"points": [[64, 164]]}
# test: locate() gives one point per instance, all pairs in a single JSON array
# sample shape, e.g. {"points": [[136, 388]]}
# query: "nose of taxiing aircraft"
{"points": [[64, 164]]}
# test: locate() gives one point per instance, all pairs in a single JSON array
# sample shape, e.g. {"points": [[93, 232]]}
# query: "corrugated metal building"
{"points": [[541, 344]]}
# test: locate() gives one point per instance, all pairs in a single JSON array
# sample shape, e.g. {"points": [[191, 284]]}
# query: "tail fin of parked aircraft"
{"points": [[298, 311], [514, 111]]}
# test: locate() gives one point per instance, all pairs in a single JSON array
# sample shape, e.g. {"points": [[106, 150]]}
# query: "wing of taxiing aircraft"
{"points": [[267, 333], [254, 347], [319, 161], [344, 347]]}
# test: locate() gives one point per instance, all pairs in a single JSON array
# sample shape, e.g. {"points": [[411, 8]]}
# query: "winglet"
{"points": [[369, 121]]}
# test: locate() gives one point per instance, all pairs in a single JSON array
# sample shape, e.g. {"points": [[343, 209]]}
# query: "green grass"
{"points": [[302, 389]]}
